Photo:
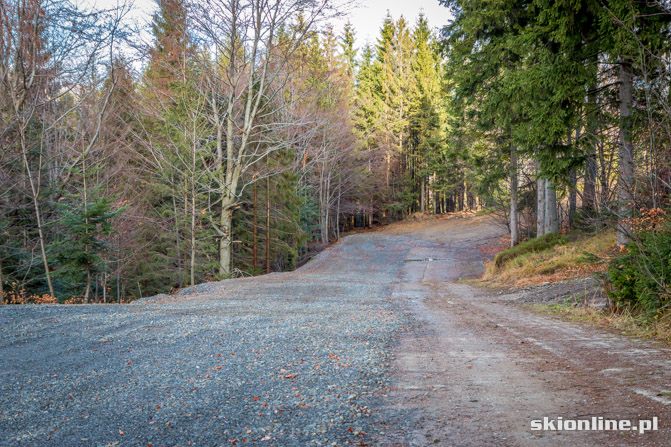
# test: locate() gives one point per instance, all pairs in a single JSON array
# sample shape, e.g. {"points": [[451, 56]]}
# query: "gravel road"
{"points": [[374, 342]]}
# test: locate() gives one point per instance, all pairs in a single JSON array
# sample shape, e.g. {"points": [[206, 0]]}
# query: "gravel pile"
{"points": [[279, 360]]}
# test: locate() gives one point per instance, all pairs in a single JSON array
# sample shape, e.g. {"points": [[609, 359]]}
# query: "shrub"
{"points": [[640, 278], [536, 245]]}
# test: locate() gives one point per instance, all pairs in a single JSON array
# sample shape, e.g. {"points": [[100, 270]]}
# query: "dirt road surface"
{"points": [[377, 341]]}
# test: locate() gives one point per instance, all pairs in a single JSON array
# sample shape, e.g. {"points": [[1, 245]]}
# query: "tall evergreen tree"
{"points": [[348, 50]]}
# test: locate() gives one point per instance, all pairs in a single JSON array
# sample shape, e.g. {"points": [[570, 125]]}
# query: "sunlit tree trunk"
{"points": [[225, 222]]}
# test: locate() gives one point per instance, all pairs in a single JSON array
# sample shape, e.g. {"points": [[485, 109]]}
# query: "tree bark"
{"points": [[572, 187], [589, 202], [551, 222], [178, 245], [85, 199], [540, 207], [185, 253], [572, 197], [225, 240], [104, 287], [337, 216], [34, 189], [267, 224], [2, 284], [514, 224], [192, 271], [422, 204], [87, 291], [626, 177], [255, 257]]}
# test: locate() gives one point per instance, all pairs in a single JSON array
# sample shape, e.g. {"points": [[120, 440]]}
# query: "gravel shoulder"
{"points": [[376, 341]]}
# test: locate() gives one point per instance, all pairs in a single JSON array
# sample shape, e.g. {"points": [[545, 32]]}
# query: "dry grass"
{"points": [[581, 257], [620, 320]]}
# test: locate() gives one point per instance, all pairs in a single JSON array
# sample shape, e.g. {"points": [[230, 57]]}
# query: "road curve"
{"points": [[374, 342]]}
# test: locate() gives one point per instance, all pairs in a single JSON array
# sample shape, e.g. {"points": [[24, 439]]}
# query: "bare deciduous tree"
{"points": [[252, 43]]}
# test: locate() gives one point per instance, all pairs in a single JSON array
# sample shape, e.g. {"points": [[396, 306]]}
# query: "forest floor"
{"points": [[379, 340]]}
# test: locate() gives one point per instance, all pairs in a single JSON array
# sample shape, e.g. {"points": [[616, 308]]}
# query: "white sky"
{"points": [[366, 15]]}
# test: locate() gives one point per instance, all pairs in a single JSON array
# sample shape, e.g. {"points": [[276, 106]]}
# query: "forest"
{"points": [[246, 135]]}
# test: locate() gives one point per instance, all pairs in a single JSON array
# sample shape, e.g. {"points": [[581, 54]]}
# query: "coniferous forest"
{"points": [[244, 135]]}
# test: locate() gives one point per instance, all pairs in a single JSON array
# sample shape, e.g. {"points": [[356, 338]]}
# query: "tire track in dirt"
{"points": [[475, 371]]}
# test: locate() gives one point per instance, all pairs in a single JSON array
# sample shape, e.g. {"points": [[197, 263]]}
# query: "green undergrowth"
{"points": [[639, 277]]}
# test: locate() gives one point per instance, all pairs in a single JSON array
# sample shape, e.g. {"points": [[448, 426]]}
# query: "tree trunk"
{"points": [[467, 205], [268, 224], [589, 202], [572, 197], [38, 215], [434, 195], [514, 224], [225, 240], [540, 207], [118, 272], [192, 272], [85, 199], [2, 285], [96, 295], [185, 262], [626, 179], [572, 184], [337, 216], [422, 204], [551, 222], [388, 170], [104, 287], [87, 291], [255, 256], [178, 245]]}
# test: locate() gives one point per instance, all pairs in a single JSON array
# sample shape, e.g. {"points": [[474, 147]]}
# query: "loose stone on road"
{"points": [[358, 347]]}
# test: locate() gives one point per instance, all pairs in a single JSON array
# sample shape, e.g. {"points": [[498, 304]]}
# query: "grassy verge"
{"points": [[550, 259], [621, 321], [555, 257]]}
